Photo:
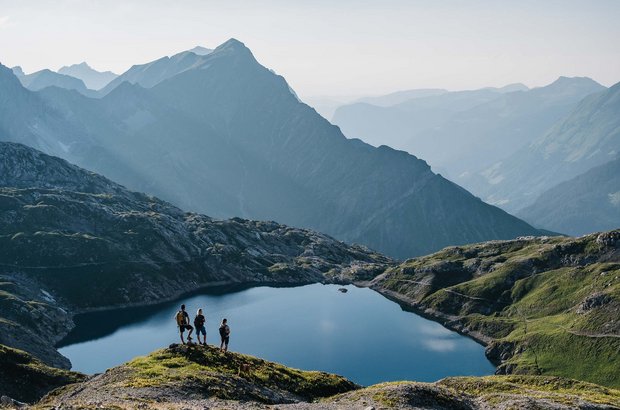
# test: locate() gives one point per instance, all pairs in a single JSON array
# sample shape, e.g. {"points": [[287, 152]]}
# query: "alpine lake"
{"points": [[358, 334]]}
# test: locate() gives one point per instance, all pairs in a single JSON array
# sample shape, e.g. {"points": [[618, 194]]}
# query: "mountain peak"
{"points": [[200, 50], [18, 71], [232, 44], [8, 78], [563, 81]]}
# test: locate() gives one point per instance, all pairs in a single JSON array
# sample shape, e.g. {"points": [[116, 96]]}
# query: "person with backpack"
{"points": [[225, 335], [182, 319], [199, 324]]}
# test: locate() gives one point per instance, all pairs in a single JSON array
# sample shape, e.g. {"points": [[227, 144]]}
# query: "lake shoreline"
{"points": [[445, 320], [404, 302], [317, 316]]}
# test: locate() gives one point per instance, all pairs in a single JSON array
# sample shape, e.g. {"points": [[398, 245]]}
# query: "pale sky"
{"points": [[331, 47]]}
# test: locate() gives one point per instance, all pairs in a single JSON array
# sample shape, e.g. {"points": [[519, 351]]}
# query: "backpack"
{"points": [[180, 318], [223, 330]]}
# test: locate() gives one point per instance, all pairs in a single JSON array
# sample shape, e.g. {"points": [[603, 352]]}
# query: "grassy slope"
{"points": [[25, 378], [550, 306], [182, 376], [206, 364], [183, 372]]}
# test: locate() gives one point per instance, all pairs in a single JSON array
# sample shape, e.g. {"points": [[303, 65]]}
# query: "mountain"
{"points": [[25, 117], [459, 133], [326, 105], [201, 51], [72, 240], [403, 125], [93, 79], [228, 138], [401, 96], [545, 306], [47, 78], [589, 136], [586, 203], [150, 74], [17, 70]]}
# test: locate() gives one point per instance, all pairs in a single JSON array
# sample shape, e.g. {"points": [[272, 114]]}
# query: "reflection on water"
{"points": [[358, 334]]}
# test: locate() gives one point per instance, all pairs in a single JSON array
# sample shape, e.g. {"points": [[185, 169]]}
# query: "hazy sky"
{"points": [[331, 47]]}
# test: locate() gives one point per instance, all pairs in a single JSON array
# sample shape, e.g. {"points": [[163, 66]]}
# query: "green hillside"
{"points": [[548, 306]]}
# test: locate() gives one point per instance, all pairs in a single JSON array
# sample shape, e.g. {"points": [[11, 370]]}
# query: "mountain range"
{"points": [[149, 74], [587, 137], [47, 78], [222, 135], [461, 132], [587, 203], [93, 79]]}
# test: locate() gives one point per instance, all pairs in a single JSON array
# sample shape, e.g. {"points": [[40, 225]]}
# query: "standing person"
{"points": [[225, 335], [199, 324], [182, 319]]}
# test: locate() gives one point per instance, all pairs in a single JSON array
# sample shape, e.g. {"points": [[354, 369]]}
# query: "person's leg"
{"points": [[181, 333], [226, 344], [189, 333]]}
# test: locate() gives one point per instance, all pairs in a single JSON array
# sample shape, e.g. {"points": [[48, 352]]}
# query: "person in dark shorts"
{"points": [[225, 335], [199, 324], [182, 319]]}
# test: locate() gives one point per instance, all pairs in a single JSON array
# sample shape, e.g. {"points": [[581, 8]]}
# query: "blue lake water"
{"points": [[359, 334]]}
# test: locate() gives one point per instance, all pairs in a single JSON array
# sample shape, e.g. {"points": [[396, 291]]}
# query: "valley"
{"points": [[372, 205]]}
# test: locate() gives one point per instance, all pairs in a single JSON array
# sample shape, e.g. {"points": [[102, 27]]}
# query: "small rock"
{"points": [[343, 290]]}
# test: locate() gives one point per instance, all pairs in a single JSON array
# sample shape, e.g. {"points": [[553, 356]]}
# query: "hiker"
{"points": [[182, 319], [225, 335], [199, 324]]}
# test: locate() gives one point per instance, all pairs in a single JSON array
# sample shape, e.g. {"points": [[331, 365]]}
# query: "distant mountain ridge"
{"points": [[227, 137], [47, 78], [93, 79], [589, 136], [459, 133], [149, 74], [589, 202]]}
